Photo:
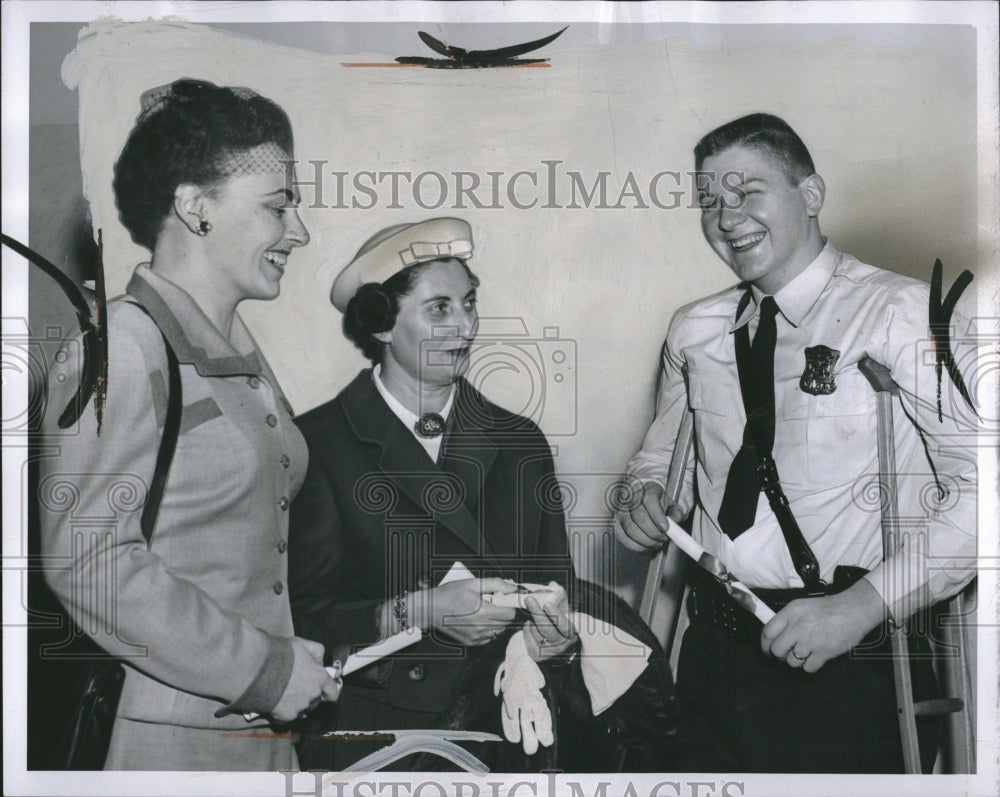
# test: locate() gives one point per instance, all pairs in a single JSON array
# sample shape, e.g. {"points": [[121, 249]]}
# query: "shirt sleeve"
{"points": [[936, 467], [96, 561], [652, 462]]}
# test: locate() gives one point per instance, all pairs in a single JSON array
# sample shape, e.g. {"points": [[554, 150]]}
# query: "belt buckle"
{"points": [[767, 473], [821, 589]]}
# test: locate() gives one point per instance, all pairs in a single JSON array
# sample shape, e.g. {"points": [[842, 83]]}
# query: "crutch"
{"points": [[955, 666], [669, 560]]}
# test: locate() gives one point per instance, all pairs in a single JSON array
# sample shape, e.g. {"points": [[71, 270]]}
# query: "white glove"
{"points": [[525, 714]]}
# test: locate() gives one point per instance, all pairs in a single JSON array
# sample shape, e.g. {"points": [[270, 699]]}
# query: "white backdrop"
{"points": [[897, 102], [575, 300]]}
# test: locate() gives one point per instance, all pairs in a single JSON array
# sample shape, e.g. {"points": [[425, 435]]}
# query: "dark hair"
{"points": [[186, 133], [764, 132], [374, 307]]}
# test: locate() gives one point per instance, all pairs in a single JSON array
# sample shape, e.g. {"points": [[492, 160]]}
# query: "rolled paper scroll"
{"points": [[739, 592], [379, 650], [368, 655], [515, 600]]}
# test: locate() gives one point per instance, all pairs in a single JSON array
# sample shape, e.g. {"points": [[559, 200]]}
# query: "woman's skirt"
{"points": [[153, 746]]}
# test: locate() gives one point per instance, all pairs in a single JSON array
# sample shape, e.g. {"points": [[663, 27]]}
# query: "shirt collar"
{"points": [[194, 339], [408, 418], [798, 296]]}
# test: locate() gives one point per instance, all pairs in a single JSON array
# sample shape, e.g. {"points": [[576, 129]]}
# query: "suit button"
{"points": [[254, 382], [283, 503], [278, 587], [282, 546], [271, 420], [417, 672], [284, 460]]}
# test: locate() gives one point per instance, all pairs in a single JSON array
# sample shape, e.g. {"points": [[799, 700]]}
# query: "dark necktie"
{"points": [[739, 501]]}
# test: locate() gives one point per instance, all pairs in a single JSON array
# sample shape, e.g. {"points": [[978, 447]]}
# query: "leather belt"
{"points": [[803, 558], [710, 606]]}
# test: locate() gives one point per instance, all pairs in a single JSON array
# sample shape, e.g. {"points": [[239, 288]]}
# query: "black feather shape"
{"points": [[939, 320], [95, 344], [460, 58], [451, 63], [637, 734], [934, 307], [439, 46]]}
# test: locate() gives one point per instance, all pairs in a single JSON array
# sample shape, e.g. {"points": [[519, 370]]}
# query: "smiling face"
{"points": [[756, 219], [428, 346], [255, 224]]}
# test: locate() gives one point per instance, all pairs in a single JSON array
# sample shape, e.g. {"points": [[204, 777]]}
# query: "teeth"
{"points": [[747, 241], [278, 258]]}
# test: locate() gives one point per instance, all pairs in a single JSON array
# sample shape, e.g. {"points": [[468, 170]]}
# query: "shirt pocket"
{"points": [[718, 422], [839, 428]]}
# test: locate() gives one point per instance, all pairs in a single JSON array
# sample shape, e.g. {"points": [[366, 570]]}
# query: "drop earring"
{"points": [[204, 228]]}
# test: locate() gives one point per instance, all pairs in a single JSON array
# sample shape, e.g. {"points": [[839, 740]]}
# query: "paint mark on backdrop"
{"points": [[394, 65], [460, 58], [101, 309]]}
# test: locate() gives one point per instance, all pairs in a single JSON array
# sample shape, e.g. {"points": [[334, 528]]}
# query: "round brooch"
{"points": [[430, 424]]}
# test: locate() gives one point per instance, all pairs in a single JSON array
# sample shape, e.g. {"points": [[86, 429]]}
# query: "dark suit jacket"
{"points": [[376, 516]]}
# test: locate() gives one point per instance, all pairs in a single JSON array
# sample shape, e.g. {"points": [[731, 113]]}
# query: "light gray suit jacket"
{"points": [[201, 616]]}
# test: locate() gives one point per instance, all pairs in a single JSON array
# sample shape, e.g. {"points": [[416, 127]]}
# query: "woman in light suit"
{"points": [[200, 614]]}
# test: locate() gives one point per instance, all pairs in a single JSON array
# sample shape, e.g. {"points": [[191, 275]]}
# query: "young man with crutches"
{"points": [[786, 462]]}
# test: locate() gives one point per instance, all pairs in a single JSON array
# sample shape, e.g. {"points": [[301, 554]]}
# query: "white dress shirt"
{"points": [[825, 445]]}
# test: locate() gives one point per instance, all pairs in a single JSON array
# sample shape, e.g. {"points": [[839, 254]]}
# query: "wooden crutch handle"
{"points": [[668, 558]]}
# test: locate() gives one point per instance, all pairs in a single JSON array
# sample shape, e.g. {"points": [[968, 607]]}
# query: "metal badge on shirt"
{"points": [[818, 376]]}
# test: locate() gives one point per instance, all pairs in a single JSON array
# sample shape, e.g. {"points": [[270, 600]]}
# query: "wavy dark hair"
{"points": [[187, 134], [764, 132], [374, 307]]}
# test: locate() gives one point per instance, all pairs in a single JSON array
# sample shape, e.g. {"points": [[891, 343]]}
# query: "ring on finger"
{"points": [[797, 657]]}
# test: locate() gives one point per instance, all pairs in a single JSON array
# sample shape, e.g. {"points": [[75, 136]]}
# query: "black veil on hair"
{"points": [[186, 133]]}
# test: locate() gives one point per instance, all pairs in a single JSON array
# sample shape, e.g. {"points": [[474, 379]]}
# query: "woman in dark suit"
{"points": [[411, 470]]}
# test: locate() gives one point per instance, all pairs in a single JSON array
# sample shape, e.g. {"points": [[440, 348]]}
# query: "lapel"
{"points": [[468, 450], [194, 338], [411, 471]]}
